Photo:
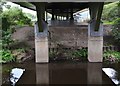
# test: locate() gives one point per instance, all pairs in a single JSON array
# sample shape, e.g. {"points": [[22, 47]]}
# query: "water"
{"points": [[61, 73], [113, 72]]}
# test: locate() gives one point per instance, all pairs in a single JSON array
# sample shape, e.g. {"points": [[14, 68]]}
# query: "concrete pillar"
{"points": [[95, 33], [71, 14], [41, 35], [62, 18], [42, 74], [41, 44], [46, 15], [67, 15], [53, 18], [40, 8], [94, 73], [95, 44]]}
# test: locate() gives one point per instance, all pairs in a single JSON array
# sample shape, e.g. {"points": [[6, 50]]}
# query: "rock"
{"points": [[20, 56]]}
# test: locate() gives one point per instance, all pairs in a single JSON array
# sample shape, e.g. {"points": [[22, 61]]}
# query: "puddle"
{"points": [[112, 74]]}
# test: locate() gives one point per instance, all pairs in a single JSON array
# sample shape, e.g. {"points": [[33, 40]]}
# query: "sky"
{"points": [[25, 10]]}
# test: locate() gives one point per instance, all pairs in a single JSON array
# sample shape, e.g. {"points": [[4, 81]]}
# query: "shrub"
{"points": [[80, 53], [111, 56], [116, 31], [6, 56]]}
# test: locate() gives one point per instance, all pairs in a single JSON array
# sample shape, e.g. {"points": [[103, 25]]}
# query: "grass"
{"points": [[108, 22]]}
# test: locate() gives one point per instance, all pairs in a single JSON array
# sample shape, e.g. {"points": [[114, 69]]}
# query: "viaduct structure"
{"points": [[66, 9]]}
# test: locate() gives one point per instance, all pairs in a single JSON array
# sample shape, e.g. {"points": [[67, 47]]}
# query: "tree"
{"points": [[3, 4], [110, 12], [15, 16], [116, 27]]}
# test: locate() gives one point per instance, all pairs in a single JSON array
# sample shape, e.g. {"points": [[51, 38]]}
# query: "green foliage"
{"points": [[111, 56], [6, 56], [15, 16], [21, 50], [31, 16], [3, 4], [116, 31], [5, 42], [69, 54], [80, 53], [6, 39], [110, 12]]}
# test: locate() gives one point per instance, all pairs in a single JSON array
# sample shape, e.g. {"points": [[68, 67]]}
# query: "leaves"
{"points": [[110, 12], [80, 53], [116, 31], [6, 56], [15, 16], [111, 56]]}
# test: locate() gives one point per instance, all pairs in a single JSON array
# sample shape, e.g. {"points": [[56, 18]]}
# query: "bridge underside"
{"points": [[66, 9]]}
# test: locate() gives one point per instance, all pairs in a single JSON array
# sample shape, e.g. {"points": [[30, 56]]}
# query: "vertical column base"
{"points": [[95, 49], [41, 49]]}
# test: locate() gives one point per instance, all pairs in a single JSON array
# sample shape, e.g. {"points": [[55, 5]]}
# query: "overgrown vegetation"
{"points": [[68, 54], [116, 31], [80, 53], [6, 56], [111, 56], [110, 12], [11, 18]]}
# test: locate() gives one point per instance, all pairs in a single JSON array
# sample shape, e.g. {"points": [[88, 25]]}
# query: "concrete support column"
{"points": [[67, 15], [41, 48], [40, 8], [41, 44], [71, 14], [95, 44], [41, 35], [62, 18], [53, 18], [95, 33]]}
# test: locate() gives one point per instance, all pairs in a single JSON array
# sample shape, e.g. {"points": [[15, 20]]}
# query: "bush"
{"points": [[110, 12], [6, 56], [80, 53], [15, 16], [6, 39], [116, 31], [111, 56]]}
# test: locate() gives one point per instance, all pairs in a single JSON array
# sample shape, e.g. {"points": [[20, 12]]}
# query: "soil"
{"points": [[24, 39], [24, 34]]}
